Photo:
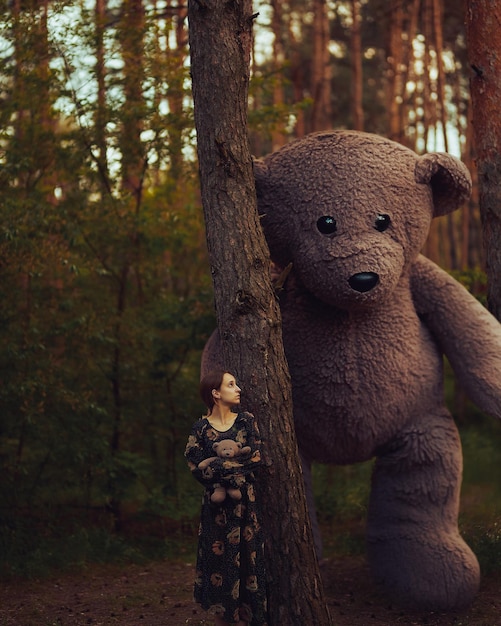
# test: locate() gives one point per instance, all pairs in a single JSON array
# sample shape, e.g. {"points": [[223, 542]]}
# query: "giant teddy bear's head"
{"points": [[351, 211]]}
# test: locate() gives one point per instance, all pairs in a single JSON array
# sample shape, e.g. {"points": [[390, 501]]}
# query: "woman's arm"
{"points": [[195, 454]]}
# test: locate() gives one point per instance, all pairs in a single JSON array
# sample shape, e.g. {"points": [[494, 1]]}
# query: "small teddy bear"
{"points": [[225, 449]]}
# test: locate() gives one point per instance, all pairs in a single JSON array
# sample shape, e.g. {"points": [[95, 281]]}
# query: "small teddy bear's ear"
{"points": [[215, 445], [449, 179]]}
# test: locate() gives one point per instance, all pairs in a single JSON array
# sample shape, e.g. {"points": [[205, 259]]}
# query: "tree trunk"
{"points": [[278, 131], [357, 110], [438, 41], [100, 70], [131, 33], [395, 61], [297, 77], [429, 106], [247, 312], [409, 99], [484, 51], [176, 95], [320, 73]]}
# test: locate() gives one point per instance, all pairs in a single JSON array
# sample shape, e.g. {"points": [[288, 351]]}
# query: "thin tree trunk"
{"points": [[297, 78], [278, 133], [395, 62], [483, 29], [465, 219], [473, 253], [438, 44], [100, 115], [357, 110], [321, 75], [429, 107], [133, 160], [176, 94], [114, 504], [248, 316], [433, 243], [452, 259], [411, 136]]}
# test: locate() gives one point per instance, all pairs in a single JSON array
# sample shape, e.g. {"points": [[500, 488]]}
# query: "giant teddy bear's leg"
{"points": [[414, 545]]}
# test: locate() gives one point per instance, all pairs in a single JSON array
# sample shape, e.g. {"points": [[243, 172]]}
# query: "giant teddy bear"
{"points": [[366, 322]]}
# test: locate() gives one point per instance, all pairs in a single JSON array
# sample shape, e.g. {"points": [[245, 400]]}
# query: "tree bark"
{"points": [[131, 33], [393, 57], [483, 31], [321, 117], [278, 132], [357, 109], [176, 94], [100, 71], [248, 316], [297, 77]]}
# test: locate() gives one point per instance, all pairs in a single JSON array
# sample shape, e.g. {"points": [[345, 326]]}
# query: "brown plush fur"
{"points": [[225, 449], [366, 321]]}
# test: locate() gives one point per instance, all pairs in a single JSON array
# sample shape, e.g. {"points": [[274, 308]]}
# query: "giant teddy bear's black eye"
{"points": [[382, 222], [326, 225]]}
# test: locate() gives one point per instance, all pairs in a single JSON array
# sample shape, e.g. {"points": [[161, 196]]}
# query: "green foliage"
{"points": [[31, 553], [341, 492], [265, 116], [475, 280], [341, 498], [481, 492], [481, 444], [105, 290], [486, 543]]}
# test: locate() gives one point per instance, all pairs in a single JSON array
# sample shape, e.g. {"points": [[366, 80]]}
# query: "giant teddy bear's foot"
{"points": [[437, 573], [414, 546]]}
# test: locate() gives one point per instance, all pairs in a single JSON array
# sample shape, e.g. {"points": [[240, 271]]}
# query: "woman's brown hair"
{"points": [[212, 380]]}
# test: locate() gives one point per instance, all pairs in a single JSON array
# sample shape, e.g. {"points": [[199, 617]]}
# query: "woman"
{"points": [[230, 580]]}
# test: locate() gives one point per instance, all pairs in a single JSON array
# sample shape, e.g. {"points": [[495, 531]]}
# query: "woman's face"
{"points": [[229, 392]]}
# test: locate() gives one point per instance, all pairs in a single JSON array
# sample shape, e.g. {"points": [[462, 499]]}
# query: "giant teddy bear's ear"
{"points": [[269, 196], [449, 179], [260, 169]]}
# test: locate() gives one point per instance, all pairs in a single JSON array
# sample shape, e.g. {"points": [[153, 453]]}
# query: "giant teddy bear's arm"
{"points": [[468, 334]]}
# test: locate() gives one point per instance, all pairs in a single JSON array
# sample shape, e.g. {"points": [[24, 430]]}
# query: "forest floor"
{"points": [[159, 594]]}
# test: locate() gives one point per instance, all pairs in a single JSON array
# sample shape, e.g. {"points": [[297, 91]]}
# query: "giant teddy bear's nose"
{"points": [[363, 281]]}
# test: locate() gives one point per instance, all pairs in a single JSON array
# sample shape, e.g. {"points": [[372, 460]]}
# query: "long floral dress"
{"points": [[230, 575]]}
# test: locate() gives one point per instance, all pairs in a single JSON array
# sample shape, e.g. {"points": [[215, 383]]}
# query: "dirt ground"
{"points": [[159, 594]]}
